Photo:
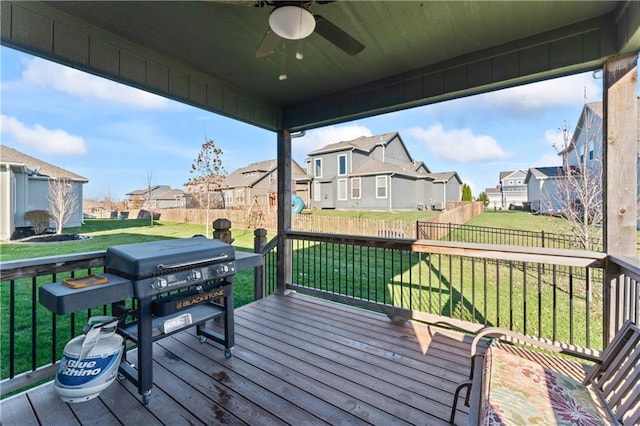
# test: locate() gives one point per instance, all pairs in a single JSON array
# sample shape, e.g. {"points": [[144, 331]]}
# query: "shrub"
{"points": [[39, 219]]}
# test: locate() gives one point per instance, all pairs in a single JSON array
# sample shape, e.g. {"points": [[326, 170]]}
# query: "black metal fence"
{"points": [[489, 235]]}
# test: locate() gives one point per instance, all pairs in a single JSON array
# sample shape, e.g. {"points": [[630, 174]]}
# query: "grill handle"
{"points": [[162, 266]]}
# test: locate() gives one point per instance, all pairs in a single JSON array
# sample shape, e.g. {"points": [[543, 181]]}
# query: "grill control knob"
{"points": [[160, 283], [195, 275]]}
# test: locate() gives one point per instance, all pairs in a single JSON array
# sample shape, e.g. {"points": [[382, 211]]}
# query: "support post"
{"points": [[222, 230], [285, 254], [259, 281], [620, 162]]}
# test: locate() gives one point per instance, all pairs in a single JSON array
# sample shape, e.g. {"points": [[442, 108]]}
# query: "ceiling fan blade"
{"points": [[338, 37], [268, 45]]}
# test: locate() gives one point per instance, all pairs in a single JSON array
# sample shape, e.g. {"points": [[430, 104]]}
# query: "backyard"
{"points": [[510, 294]]}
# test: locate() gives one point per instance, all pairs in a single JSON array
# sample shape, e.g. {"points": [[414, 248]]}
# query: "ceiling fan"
{"points": [[293, 20]]}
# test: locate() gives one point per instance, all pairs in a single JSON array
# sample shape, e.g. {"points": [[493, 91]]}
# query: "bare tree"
{"points": [[63, 201], [578, 189], [149, 177], [208, 179]]}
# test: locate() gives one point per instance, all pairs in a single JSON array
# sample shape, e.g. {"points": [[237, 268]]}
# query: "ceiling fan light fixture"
{"points": [[292, 22]]}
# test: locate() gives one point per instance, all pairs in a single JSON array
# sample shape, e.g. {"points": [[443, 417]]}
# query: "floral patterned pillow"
{"points": [[518, 391]]}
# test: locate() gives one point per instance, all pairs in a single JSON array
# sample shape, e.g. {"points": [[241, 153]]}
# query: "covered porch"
{"points": [[324, 362]]}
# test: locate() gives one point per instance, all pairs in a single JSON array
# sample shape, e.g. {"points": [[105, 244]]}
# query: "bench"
{"points": [[514, 385]]}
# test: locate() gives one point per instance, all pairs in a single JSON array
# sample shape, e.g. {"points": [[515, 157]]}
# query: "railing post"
{"points": [[222, 230], [611, 298], [259, 278]]}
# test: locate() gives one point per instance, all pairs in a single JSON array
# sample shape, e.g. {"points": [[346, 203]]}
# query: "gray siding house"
{"points": [[376, 173], [24, 183]]}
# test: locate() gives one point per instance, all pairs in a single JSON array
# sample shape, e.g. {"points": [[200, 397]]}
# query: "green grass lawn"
{"points": [[107, 232]]}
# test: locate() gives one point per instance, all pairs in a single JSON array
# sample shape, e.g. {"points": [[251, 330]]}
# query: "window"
{"points": [[591, 154], [239, 196], [519, 182], [317, 167], [342, 165], [381, 187], [342, 189], [316, 191], [228, 197], [510, 182], [355, 188]]}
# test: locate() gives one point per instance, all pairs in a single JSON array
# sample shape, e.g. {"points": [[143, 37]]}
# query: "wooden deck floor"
{"points": [[297, 360]]}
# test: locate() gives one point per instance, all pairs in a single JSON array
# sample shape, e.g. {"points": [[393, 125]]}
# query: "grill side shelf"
{"points": [[199, 314]]}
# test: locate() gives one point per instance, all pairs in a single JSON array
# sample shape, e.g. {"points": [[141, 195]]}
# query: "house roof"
{"points": [[253, 173], [35, 166], [158, 192], [362, 143], [544, 173], [504, 175], [376, 167], [445, 176]]}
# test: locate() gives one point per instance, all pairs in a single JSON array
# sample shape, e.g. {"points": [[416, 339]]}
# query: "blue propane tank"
{"points": [[90, 361]]}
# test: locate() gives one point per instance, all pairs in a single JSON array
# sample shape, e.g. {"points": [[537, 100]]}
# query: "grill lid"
{"points": [[141, 260]]}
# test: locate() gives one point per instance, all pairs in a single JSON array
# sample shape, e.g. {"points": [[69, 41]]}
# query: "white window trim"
{"points": [[342, 195], [359, 180], [316, 192], [338, 164], [386, 186], [316, 168]]}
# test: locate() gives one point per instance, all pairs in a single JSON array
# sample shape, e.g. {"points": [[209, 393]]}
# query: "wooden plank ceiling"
{"points": [[416, 52]]}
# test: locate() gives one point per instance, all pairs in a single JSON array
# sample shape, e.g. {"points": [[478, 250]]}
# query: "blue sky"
{"points": [[117, 136]]}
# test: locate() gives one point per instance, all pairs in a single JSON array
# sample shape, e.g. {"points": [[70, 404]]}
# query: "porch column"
{"points": [[620, 146], [620, 162], [285, 254]]}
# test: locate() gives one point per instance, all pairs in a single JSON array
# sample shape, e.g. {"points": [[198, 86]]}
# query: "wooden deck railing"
{"points": [[566, 296]]}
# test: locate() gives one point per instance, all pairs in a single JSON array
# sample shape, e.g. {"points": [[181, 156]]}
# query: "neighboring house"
{"points": [[494, 195], [543, 185], [512, 191], [376, 173], [156, 197], [585, 150], [257, 185], [25, 184]]}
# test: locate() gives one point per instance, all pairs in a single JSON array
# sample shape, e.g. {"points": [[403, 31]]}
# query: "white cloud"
{"points": [[40, 72], [458, 145], [41, 139], [554, 139], [548, 160], [316, 139], [565, 91]]}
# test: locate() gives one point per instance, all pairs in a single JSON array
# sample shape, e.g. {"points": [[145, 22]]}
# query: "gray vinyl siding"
{"points": [[453, 191], [401, 187], [358, 158], [393, 153], [369, 200]]}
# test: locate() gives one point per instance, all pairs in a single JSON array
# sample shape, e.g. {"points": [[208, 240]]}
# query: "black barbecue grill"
{"points": [[177, 284]]}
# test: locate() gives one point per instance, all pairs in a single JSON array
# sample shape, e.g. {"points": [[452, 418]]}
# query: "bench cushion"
{"points": [[518, 391]]}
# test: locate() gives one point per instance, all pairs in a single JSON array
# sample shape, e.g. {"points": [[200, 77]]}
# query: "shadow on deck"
{"points": [[297, 360]]}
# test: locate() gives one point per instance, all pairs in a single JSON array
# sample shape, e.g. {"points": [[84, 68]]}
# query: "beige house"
{"points": [[257, 185], [24, 183]]}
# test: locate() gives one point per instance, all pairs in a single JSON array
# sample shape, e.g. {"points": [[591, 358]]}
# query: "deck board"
{"points": [[297, 360]]}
